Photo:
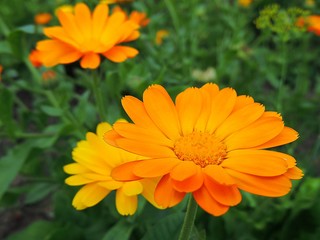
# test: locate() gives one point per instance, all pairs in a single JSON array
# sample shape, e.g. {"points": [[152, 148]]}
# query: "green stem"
{"points": [[173, 14], [188, 219], [282, 77], [96, 89]]}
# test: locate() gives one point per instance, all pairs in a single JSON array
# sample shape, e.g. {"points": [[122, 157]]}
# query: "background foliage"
{"points": [[41, 120]]}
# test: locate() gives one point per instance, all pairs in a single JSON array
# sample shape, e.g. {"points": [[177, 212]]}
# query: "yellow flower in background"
{"points": [[139, 18], [245, 3], [94, 161], [160, 35], [114, 1], [42, 18], [64, 8], [310, 3], [84, 36], [209, 142]]}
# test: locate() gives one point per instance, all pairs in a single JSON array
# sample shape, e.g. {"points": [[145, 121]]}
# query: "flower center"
{"points": [[201, 148]]}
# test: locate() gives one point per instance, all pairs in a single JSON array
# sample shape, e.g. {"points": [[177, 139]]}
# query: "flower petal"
{"points": [[75, 168], [90, 60], [82, 16], [124, 171], [208, 203], [294, 173], [88, 196], [132, 188], [120, 53], [255, 134], [265, 186], [218, 174], [242, 101], [99, 20], [165, 195], [149, 186], [155, 167], [190, 184], [126, 205]]}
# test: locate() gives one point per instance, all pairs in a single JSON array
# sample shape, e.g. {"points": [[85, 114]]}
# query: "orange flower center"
{"points": [[201, 148]]}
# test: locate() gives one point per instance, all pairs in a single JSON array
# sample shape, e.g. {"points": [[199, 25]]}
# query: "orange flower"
{"points": [[245, 3], [1, 69], [34, 58], [48, 76], [210, 143], [85, 35], [42, 18], [160, 35], [139, 18], [114, 1], [311, 22]]}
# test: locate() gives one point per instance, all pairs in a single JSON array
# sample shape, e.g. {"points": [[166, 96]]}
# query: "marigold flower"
{"points": [[34, 58], [95, 160], [210, 143], [85, 35], [245, 3], [139, 18], [42, 18], [160, 35], [312, 23]]}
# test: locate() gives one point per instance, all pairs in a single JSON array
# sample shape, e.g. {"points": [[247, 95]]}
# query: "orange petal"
{"points": [[109, 36], [124, 172], [265, 186], [60, 34], [184, 170], [208, 203], [90, 60], [240, 119], [255, 162], [226, 195], [162, 111], [294, 173], [255, 134], [120, 53], [99, 20], [242, 101], [82, 16], [165, 195], [68, 23], [188, 104], [134, 132], [222, 105], [287, 135], [218, 174], [145, 149], [191, 184], [154, 167]]}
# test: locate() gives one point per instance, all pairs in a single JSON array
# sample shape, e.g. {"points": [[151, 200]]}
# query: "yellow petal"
{"points": [[75, 168], [126, 205], [77, 180], [294, 173], [132, 188]]}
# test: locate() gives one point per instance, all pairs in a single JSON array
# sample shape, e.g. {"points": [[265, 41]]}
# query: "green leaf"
{"points": [[52, 111], [122, 230], [38, 191], [4, 47], [6, 108], [17, 43], [167, 228], [12, 163], [36, 230]]}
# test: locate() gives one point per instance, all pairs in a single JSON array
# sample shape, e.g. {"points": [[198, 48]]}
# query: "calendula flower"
{"points": [[94, 161], [34, 58], [160, 35], [42, 18], [245, 3], [312, 23], [209, 142], [67, 8], [85, 35], [139, 18]]}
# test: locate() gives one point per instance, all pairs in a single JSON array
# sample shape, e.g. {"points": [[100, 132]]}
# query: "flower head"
{"points": [[34, 58], [209, 142], [94, 161], [42, 18], [160, 35], [245, 3], [84, 35], [312, 23]]}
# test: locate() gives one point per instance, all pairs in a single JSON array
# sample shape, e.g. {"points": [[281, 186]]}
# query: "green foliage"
{"points": [[259, 51]]}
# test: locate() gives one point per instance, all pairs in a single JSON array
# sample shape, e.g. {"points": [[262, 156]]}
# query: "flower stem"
{"points": [[96, 89], [188, 219], [282, 77]]}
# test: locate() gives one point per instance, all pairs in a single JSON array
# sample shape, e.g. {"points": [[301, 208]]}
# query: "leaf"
{"points": [[166, 228], [38, 191], [17, 41], [52, 111], [4, 47], [6, 111], [12, 163], [122, 230], [36, 230]]}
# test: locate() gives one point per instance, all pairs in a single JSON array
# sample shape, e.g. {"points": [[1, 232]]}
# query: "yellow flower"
{"points": [[42, 18], [94, 161], [85, 35], [160, 35], [245, 3], [209, 142]]}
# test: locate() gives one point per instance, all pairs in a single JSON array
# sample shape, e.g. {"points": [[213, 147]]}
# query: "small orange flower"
{"points": [[34, 58], [85, 35], [209, 142], [139, 18], [245, 3], [160, 35], [42, 18], [114, 1], [48, 76], [1, 69], [312, 23]]}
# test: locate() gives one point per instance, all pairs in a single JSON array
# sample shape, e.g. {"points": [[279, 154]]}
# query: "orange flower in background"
{"points": [[139, 18], [42, 18], [94, 161], [209, 142], [245, 3], [312, 23], [1, 70], [160, 35], [85, 36], [34, 58], [114, 1]]}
